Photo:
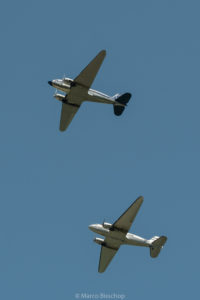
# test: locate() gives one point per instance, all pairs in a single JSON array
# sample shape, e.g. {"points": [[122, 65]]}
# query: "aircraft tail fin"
{"points": [[156, 245], [120, 103]]}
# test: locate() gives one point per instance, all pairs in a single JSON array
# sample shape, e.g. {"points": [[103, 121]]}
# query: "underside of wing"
{"points": [[106, 256], [67, 113], [125, 221], [87, 76]]}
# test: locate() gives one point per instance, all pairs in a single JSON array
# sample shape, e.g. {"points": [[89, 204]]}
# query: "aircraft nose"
{"points": [[91, 227], [50, 83]]}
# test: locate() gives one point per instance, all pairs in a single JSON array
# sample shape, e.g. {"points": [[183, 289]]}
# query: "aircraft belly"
{"points": [[104, 232], [99, 99], [135, 240], [117, 235], [63, 88], [77, 95], [113, 243]]}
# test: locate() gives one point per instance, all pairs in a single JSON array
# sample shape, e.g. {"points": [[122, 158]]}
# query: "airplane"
{"points": [[78, 90], [117, 234]]}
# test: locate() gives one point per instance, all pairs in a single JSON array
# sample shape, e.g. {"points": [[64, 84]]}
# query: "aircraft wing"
{"points": [[67, 113], [87, 76], [125, 221], [107, 253]]}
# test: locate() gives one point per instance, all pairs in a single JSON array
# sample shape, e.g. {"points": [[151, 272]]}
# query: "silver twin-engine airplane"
{"points": [[78, 90], [117, 234]]}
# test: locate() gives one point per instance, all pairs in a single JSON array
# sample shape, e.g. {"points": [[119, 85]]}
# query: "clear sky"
{"points": [[53, 184]]}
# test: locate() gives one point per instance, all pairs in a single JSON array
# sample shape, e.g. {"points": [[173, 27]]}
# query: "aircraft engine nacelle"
{"points": [[68, 81], [99, 241], [107, 225], [59, 97]]}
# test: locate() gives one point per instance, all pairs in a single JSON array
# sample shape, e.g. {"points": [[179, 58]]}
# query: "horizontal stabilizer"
{"points": [[157, 245], [120, 103], [118, 110], [123, 99]]}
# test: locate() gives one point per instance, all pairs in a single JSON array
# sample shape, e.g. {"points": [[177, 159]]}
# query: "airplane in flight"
{"points": [[117, 234], [78, 90]]}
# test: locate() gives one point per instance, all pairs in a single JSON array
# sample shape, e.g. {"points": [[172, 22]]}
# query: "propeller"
{"points": [[56, 92], [64, 75]]}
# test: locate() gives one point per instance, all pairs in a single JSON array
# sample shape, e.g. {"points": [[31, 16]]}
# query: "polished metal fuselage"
{"points": [[82, 92], [125, 238]]}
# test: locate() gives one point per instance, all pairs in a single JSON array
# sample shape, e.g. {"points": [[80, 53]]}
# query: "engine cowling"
{"points": [[99, 241], [59, 97], [107, 225], [68, 81]]}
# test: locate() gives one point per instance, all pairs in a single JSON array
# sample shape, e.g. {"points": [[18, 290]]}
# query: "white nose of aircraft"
{"points": [[92, 227]]}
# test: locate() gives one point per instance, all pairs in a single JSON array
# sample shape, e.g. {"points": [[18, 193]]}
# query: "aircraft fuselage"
{"points": [[127, 239], [83, 93]]}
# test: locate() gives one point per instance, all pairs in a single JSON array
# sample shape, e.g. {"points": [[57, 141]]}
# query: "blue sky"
{"points": [[53, 184]]}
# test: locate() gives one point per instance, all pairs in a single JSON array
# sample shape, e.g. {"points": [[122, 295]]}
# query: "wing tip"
{"points": [[164, 238], [103, 52], [140, 199], [100, 271], [62, 129]]}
